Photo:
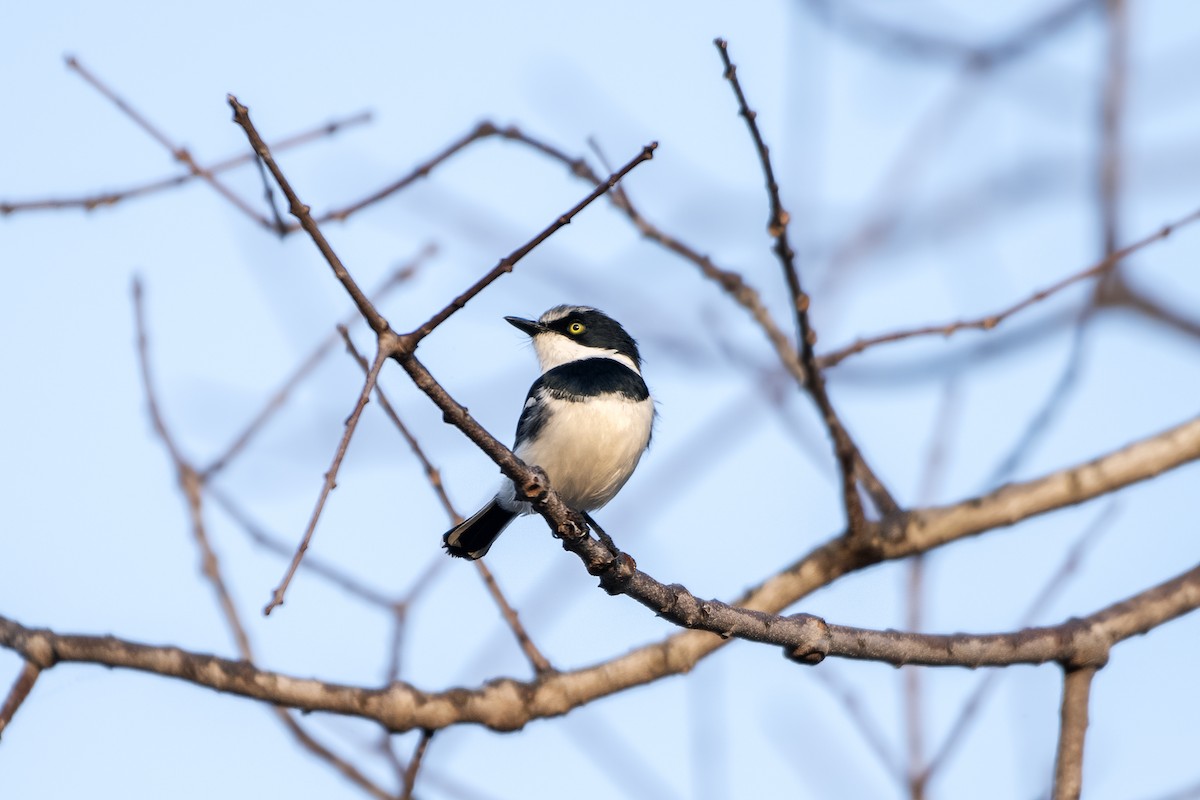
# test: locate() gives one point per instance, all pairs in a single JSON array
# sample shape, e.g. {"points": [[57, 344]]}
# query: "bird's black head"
{"points": [[581, 328]]}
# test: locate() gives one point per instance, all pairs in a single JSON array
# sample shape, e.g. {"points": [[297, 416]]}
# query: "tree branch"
{"points": [[241, 115], [990, 321], [505, 704], [847, 453], [21, 688], [330, 481], [94, 201], [1068, 763]]}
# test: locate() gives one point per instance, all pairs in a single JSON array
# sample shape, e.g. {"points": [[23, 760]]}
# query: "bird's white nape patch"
{"points": [[555, 349], [558, 312]]}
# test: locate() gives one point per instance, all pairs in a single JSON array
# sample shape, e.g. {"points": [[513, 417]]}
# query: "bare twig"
{"points": [[432, 473], [1056, 400], [330, 480], [481, 131], [990, 321], [21, 688], [241, 115], [276, 401], [866, 725], [541, 665], [539, 662], [1112, 105], [414, 764], [931, 479], [277, 222], [94, 201], [913, 696], [507, 263], [1068, 763], [335, 576], [191, 485], [848, 455], [180, 154], [914, 43]]}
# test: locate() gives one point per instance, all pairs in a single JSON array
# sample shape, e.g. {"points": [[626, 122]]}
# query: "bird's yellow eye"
{"points": [[576, 328]]}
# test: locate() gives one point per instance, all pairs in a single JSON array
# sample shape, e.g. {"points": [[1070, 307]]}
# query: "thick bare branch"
{"points": [[1010, 504], [507, 705]]}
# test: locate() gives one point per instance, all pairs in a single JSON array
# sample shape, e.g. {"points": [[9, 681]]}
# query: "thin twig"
{"points": [[330, 482], [541, 665], [914, 43], [1112, 114], [281, 395], [432, 474], [94, 201], [1056, 399], [847, 453], [866, 725], [931, 479], [179, 153], [507, 263], [241, 115], [1068, 763], [990, 321], [539, 662], [481, 131], [279, 225], [414, 764], [191, 484], [21, 688], [336, 577]]}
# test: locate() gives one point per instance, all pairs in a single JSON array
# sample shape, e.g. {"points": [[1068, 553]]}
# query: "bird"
{"points": [[586, 422]]}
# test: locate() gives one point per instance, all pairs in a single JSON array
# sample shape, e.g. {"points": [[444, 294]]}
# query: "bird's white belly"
{"points": [[589, 449]]}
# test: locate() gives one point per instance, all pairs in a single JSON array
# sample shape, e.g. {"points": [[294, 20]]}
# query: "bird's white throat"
{"points": [[554, 350]]}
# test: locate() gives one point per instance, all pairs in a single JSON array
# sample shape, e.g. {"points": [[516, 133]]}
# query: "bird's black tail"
{"points": [[472, 537]]}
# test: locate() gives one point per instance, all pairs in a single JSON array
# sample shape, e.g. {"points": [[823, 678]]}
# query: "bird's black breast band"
{"points": [[575, 382]]}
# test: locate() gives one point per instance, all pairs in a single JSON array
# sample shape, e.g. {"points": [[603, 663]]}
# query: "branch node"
{"points": [[816, 643], [536, 487], [616, 574], [1090, 648]]}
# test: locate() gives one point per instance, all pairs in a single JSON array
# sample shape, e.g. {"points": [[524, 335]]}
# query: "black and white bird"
{"points": [[586, 422]]}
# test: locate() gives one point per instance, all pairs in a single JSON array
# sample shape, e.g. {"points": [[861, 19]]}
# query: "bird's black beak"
{"points": [[526, 325]]}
